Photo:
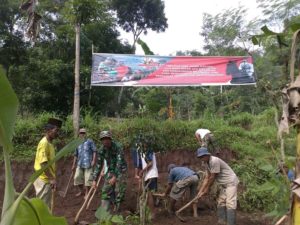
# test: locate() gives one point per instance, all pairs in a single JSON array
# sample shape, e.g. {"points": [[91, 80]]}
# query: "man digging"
{"points": [[180, 179], [219, 171]]}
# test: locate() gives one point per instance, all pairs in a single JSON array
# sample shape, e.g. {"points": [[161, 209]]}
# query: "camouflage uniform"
{"points": [[116, 166]]}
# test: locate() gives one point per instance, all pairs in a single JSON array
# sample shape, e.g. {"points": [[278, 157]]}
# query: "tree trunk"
{"points": [[76, 108], [170, 105]]}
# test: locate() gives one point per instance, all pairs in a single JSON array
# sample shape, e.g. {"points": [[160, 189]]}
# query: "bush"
{"points": [[243, 120]]}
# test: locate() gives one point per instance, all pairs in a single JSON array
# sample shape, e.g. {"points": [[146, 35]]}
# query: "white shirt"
{"points": [[152, 172], [202, 132]]}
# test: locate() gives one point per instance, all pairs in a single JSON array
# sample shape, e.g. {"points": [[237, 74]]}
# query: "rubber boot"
{"points": [[221, 213], [231, 217], [105, 204]]}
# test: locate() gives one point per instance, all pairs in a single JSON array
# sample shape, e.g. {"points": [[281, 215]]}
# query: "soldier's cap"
{"points": [[82, 131], [171, 166], [105, 134], [52, 123], [202, 152]]}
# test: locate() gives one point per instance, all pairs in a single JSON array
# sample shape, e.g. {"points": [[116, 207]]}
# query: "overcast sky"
{"points": [[185, 21]]}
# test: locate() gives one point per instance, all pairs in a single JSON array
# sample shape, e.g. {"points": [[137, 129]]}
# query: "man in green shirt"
{"points": [[111, 159]]}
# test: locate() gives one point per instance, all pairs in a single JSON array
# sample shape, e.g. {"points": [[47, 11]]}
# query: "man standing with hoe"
{"points": [[45, 184], [113, 190], [219, 171], [85, 158]]}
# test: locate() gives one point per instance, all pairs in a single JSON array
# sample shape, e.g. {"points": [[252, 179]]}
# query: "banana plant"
{"points": [[17, 208]]}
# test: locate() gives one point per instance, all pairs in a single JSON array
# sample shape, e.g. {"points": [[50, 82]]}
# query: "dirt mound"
{"points": [[69, 205]]}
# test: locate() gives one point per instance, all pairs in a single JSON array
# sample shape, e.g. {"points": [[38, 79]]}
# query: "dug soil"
{"points": [[69, 205]]}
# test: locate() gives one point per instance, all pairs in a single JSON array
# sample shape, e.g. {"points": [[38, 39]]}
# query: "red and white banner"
{"points": [[134, 70]]}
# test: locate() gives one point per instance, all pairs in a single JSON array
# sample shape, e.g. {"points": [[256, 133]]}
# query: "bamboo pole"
{"points": [[296, 200]]}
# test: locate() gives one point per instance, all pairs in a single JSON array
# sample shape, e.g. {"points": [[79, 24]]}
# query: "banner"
{"points": [[134, 70]]}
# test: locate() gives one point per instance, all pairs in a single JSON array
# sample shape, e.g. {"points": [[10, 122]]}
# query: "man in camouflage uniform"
{"points": [[111, 159]]}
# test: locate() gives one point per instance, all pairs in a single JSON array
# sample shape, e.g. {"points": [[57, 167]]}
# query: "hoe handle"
{"points": [[94, 192], [84, 203], [188, 204], [65, 193]]}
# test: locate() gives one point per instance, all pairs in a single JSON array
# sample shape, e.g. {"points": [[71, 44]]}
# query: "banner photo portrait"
{"points": [[149, 70]]}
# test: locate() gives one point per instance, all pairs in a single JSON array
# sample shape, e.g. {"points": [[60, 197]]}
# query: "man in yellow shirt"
{"points": [[45, 152]]}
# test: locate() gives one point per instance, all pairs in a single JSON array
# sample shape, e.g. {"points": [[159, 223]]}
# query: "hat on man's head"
{"points": [[82, 131], [54, 122], [105, 134], [171, 166], [202, 152]]}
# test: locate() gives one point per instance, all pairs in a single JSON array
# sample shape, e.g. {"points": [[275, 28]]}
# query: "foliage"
{"points": [[83, 11], [145, 47], [224, 32], [277, 12], [268, 185], [105, 218], [144, 15], [242, 119], [39, 73]]}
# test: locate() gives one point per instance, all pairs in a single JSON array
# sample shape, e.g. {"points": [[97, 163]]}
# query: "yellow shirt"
{"points": [[44, 153]]}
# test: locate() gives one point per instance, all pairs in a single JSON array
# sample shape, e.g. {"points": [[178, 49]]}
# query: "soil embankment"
{"points": [[69, 205]]}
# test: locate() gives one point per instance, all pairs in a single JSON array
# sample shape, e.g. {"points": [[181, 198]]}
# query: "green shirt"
{"points": [[114, 157]]}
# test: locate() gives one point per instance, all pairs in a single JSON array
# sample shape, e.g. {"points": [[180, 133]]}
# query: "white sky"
{"points": [[185, 21]]}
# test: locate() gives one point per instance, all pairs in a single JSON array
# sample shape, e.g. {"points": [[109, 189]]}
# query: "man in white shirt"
{"points": [[145, 165], [206, 139], [219, 171]]}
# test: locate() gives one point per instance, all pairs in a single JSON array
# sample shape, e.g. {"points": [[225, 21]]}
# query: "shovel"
{"points": [[64, 193]]}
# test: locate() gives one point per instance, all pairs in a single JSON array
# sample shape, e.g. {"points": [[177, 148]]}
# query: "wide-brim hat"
{"points": [[202, 152]]}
